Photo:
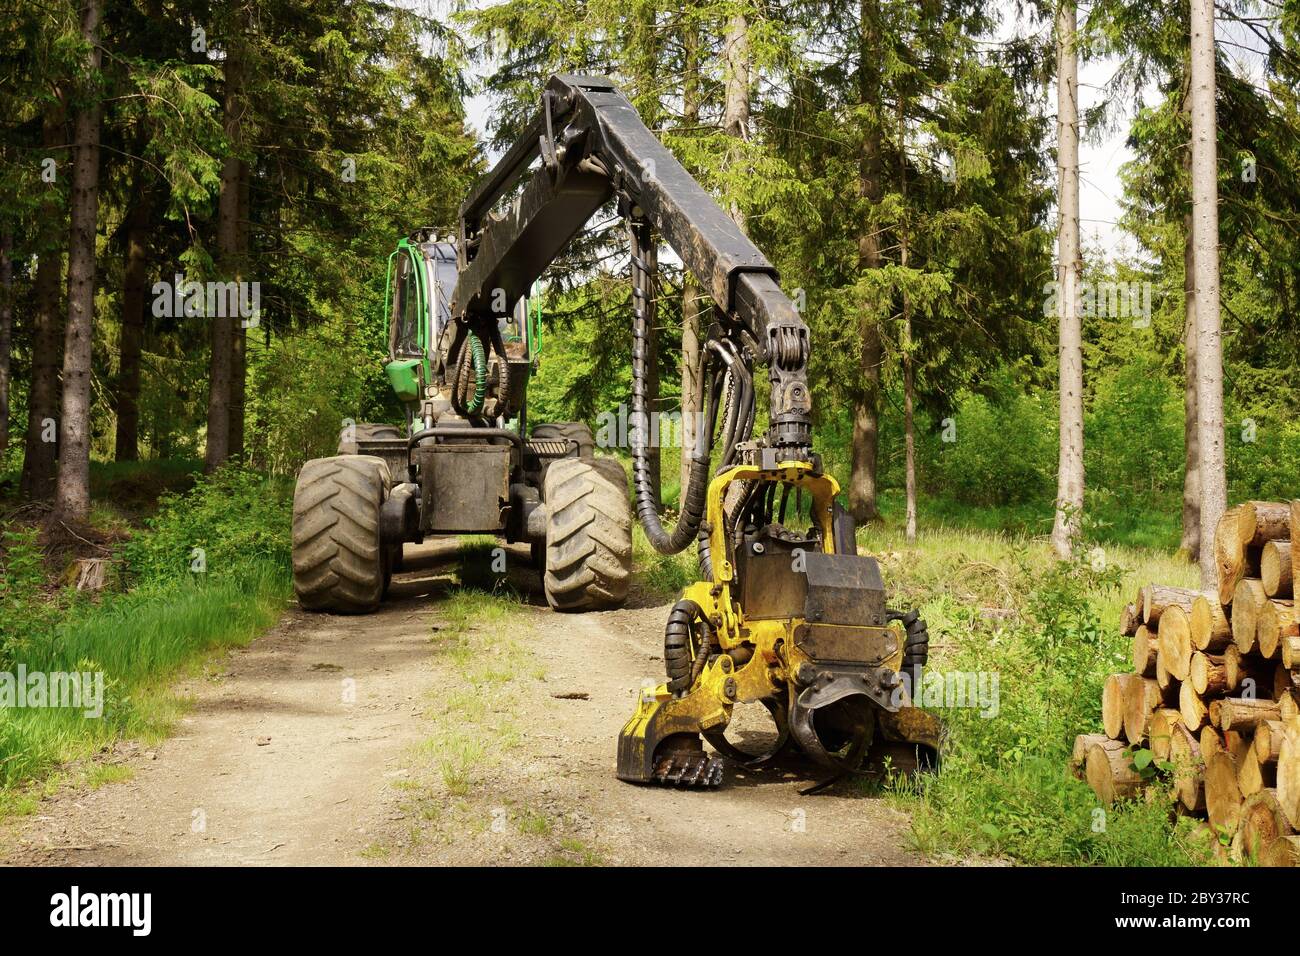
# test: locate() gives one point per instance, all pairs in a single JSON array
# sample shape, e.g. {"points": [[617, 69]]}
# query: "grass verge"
{"points": [[1002, 608], [138, 641]]}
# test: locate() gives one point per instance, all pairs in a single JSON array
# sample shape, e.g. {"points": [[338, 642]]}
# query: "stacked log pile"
{"points": [[1214, 694]]}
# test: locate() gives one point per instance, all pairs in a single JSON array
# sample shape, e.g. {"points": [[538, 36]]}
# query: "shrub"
{"points": [[229, 520]]}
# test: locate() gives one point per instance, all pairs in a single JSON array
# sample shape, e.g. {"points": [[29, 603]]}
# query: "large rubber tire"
{"points": [[568, 431], [367, 431], [338, 564], [588, 536]]}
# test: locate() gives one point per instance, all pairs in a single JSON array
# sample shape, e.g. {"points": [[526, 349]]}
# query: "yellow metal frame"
{"points": [[722, 683]]}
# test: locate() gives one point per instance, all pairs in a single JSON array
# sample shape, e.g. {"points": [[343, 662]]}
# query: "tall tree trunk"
{"points": [[222, 326], [72, 495], [1069, 481], [239, 344], [41, 454], [735, 116], [1191, 542], [866, 406], [6, 330], [134, 281], [690, 292], [909, 431], [1205, 237]]}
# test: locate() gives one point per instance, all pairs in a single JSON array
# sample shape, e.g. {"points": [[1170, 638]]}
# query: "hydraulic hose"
{"points": [[503, 374], [646, 489], [471, 354]]}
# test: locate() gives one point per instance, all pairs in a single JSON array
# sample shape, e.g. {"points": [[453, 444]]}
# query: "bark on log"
{"points": [[1295, 536], [1222, 795], [1176, 641], [1207, 675], [1244, 714], [1211, 629], [1264, 521], [1247, 599], [1083, 742], [1129, 620], [1110, 774], [1275, 569], [1156, 598]]}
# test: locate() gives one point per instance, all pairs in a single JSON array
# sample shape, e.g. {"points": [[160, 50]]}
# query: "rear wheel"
{"points": [[338, 563], [588, 535], [366, 431], [579, 432]]}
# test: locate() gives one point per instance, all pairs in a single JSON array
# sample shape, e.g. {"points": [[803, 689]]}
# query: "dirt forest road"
{"points": [[413, 736]]}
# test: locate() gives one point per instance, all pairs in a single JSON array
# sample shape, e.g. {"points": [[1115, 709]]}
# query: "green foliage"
{"points": [[230, 519], [305, 388], [135, 640], [1004, 788], [1003, 450], [24, 608]]}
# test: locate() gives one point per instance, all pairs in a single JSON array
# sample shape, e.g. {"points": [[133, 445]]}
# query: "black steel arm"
{"points": [[594, 147]]}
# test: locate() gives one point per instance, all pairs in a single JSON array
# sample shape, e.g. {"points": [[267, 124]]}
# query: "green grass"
{"points": [[1001, 604], [1147, 525], [139, 641]]}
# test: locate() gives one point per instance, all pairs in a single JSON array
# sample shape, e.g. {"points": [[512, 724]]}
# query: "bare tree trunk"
{"points": [[1205, 233], [134, 281], [6, 330], [735, 117], [909, 435], [866, 406], [1191, 542], [72, 494], [41, 453], [690, 293], [222, 326], [1069, 481], [239, 343]]}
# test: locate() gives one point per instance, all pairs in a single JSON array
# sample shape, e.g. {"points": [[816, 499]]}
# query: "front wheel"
{"points": [[588, 535], [339, 565]]}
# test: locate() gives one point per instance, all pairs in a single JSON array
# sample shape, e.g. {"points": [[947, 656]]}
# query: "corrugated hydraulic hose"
{"points": [[647, 492], [471, 355]]}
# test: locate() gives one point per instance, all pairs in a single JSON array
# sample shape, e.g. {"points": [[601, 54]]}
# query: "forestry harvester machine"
{"points": [[786, 614]]}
